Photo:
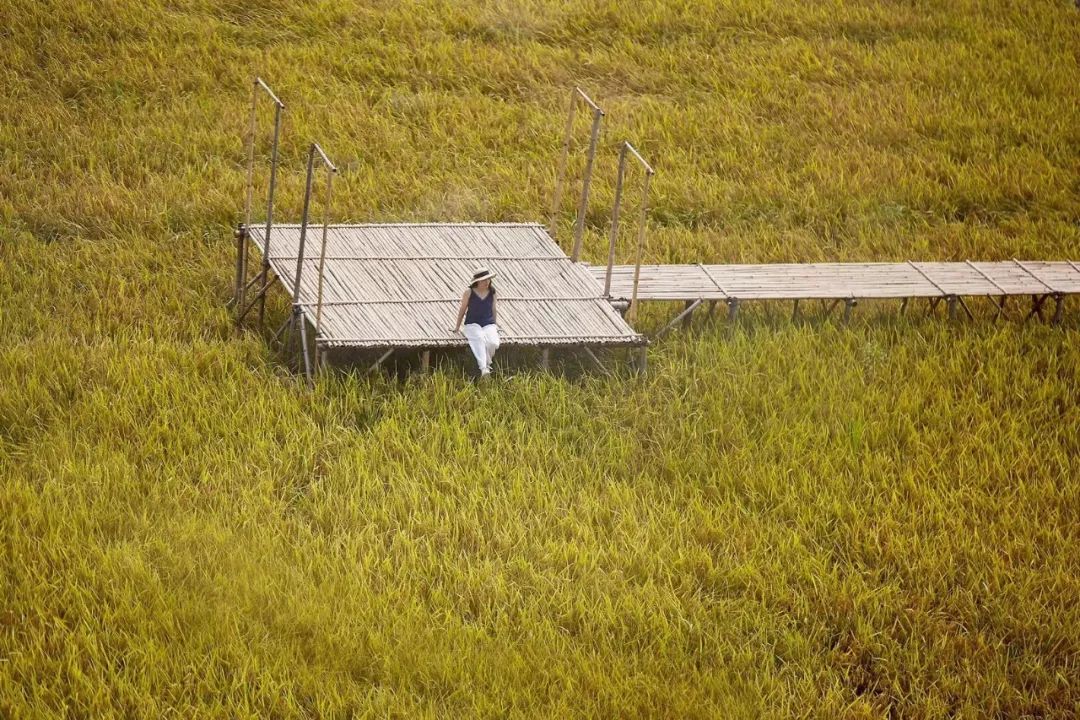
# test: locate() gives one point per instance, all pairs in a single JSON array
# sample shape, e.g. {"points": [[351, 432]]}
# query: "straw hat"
{"points": [[481, 274]]}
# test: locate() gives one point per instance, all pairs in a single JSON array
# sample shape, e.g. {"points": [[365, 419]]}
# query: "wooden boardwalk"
{"points": [[936, 281]]}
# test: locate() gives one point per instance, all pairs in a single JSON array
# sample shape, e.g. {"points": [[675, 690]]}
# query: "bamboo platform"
{"points": [[848, 282], [398, 285]]}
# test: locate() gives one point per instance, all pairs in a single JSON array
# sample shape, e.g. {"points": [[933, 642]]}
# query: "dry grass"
{"points": [[780, 521]]}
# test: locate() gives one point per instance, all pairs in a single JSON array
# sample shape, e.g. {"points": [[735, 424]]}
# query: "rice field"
{"points": [[779, 520]]}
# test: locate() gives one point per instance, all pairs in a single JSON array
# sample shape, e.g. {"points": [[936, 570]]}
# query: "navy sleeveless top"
{"points": [[480, 311]]}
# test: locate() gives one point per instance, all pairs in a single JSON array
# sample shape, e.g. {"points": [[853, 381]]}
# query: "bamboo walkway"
{"points": [[849, 282], [394, 286]]}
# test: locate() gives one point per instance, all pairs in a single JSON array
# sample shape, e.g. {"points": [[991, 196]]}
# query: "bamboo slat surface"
{"points": [[391, 285], [843, 280]]}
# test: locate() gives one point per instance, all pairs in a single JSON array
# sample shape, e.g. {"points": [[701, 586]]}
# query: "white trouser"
{"points": [[484, 341]]}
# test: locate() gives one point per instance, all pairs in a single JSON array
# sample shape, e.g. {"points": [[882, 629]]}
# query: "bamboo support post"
{"points": [[241, 246], [563, 158], [576, 95], [615, 220], [322, 251], [241, 288], [270, 208], [425, 361], [732, 309], [849, 303], [313, 152], [545, 359], [583, 205], [641, 364], [304, 352]]}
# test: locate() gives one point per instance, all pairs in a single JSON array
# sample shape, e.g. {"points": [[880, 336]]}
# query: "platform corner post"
{"points": [[241, 267], [278, 107], [641, 362]]}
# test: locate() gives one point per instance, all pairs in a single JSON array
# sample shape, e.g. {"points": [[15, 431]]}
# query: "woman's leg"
{"points": [[475, 335], [491, 342]]}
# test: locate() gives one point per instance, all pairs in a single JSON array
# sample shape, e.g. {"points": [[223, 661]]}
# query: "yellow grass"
{"points": [[777, 521]]}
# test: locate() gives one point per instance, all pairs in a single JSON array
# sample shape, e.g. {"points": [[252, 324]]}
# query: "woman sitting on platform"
{"points": [[478, 310]]}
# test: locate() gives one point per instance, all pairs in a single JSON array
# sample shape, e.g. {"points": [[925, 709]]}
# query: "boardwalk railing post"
{"points": [[640, 245], [615, 220], [242, 284], [583, 206], [322, 256], [561, 173], [270, 210], [298, 314], [625, 150], [576, 95]]}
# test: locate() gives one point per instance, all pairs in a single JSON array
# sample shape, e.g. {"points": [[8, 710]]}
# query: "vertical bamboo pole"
{"points": [[583, 206], [615, 220], [640, 246], [297, 314], [303, 225], [241, 241], [561, 174], [322, 262], [270, 210]]}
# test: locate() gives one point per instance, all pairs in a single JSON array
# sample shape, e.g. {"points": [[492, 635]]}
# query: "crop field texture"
{"points": [[878, 520]]}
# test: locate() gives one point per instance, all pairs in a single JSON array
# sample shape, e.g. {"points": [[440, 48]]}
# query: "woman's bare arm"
{"points": [[461, 310]]}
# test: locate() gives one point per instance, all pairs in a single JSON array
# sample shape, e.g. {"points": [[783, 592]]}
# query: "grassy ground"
{"points": [[778, 520]]}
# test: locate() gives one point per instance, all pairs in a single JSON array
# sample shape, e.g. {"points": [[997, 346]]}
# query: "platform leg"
{"points": [[304, 352], [641, 362], [732, 309], [425, 361], [545, 359], [848, 305]]}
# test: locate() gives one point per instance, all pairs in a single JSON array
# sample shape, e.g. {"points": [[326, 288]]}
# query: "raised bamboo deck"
{"points": [[398, 285]]}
